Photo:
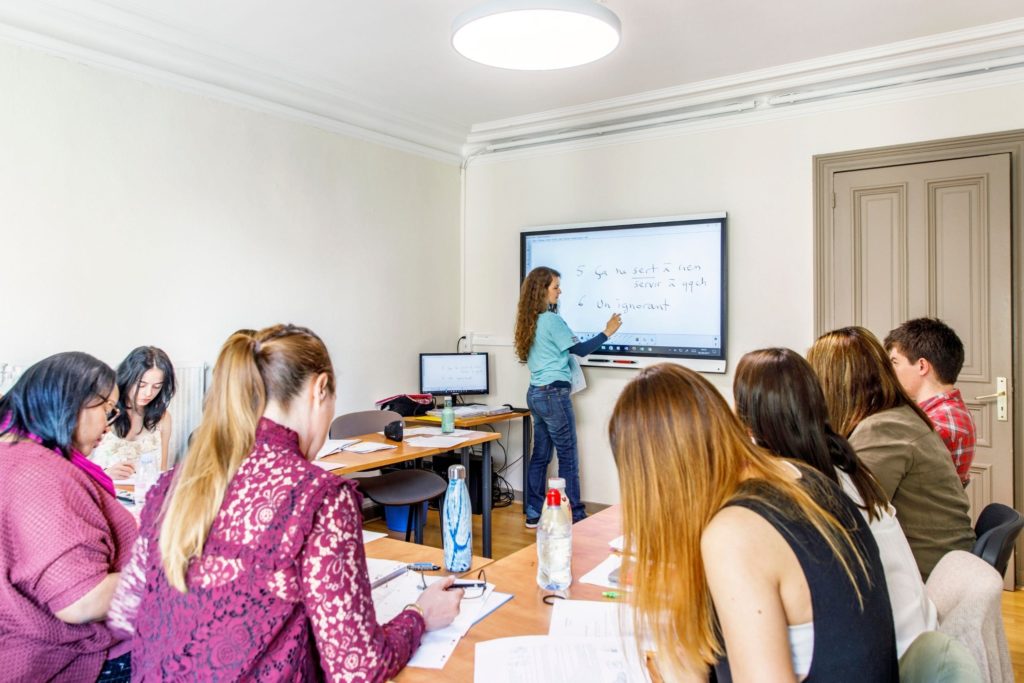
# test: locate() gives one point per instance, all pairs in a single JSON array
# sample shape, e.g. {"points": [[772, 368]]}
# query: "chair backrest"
{"points": [[363, 422], [967, 593], [935, 657], [997, 529]]}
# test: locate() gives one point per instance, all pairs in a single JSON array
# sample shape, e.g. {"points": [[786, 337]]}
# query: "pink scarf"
{"points": [[77, 459]]}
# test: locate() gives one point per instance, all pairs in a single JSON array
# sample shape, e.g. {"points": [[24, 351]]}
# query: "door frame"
{"points": [[1008, 142]]}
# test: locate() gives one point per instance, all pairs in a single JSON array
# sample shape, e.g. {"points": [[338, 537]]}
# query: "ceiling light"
{"points": [[536, 35]]}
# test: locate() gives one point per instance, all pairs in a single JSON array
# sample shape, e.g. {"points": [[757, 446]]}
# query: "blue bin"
{"points": [[397, 516]]}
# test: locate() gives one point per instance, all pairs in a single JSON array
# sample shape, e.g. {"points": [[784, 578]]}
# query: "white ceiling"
{"points": [[392, 59]]}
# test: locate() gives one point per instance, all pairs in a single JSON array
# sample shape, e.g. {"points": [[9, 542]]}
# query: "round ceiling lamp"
{"points": [[536, 35]]}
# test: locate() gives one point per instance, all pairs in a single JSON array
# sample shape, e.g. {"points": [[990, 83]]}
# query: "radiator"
{"points": [[186, 407]]}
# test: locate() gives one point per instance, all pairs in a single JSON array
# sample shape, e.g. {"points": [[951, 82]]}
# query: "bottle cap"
{"points": [[554, 497], [456, 472], [556, 483]]}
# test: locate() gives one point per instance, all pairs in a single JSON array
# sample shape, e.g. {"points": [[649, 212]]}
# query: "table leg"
{"points": [[486, 496], [527, 450]]}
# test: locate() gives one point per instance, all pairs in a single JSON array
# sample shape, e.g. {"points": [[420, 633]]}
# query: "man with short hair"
{"points": [[927, 356]]}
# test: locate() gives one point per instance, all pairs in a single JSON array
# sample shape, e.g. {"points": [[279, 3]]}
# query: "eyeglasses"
{"points": [[111, 413], [469, 592]]}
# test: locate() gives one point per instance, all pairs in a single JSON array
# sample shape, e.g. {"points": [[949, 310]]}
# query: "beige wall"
{"points": [[136, 214], [760, 172]]}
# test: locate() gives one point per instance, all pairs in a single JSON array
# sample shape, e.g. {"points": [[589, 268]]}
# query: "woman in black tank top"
{"points": [[739, 554]]}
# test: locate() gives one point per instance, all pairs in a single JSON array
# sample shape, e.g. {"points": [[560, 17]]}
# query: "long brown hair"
{"points": [[779, 398], [682, 455], [533, 300], [857, 378], [252, 369]]}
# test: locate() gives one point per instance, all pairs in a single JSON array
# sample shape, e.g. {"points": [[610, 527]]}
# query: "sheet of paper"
{"points": [[598, 576], [617, 543], [130, 481], [372, 535], [328, 464], [436, 646], [437, 441], [420, 431], [379, 568], [368, 447], [547, 659], [334, 446], [436, 431], [590, 619]]}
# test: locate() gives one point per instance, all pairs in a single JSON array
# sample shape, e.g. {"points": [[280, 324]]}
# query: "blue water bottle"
{"points": [[456, 522]]}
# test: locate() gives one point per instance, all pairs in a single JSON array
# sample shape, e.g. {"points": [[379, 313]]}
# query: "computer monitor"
{"points": [[453, 373]]}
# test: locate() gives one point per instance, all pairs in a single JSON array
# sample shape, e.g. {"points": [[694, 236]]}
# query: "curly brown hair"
{"points": [[533, 300]]}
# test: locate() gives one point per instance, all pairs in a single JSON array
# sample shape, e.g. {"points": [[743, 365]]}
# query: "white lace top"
{"points": [[113, 449]]}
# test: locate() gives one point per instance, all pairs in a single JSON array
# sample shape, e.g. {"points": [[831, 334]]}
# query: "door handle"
{"points": [[1000, 398], [986, 397]]}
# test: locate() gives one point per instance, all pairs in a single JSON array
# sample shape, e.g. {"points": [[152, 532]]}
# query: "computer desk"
{"points": [[482, 420], [403, 452], [526, 614]]}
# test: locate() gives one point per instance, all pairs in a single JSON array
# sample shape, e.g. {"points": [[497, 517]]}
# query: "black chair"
{"points": [[411, 487], [997, 529]]}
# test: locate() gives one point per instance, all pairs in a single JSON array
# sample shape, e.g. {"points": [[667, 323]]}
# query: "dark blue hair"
{"points": [[129, 374], [47, 398]]}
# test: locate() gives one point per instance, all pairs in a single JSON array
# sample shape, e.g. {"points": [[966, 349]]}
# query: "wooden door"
{"points": [[933, 239]]}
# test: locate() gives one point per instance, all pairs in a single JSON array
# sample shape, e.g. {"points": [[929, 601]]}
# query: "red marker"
{"points": [[625, 362]]}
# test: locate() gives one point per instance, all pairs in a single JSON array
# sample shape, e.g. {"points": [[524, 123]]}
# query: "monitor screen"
{"points": [[453, 373]]}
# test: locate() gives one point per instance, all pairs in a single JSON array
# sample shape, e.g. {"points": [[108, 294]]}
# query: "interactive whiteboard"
{"points": [[666, 276]]}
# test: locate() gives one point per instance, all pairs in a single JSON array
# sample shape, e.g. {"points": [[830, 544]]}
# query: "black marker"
{"points": [[598, 360]]}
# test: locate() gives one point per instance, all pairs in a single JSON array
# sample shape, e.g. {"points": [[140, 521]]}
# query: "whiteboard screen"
{"points": [[666, 277]]}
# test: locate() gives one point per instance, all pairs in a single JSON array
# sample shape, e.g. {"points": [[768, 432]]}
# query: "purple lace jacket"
{"points": [[281, 592]]}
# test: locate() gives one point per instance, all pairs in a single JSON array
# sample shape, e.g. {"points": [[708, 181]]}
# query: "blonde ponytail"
{"points": [[252, 369], [233, 407]]}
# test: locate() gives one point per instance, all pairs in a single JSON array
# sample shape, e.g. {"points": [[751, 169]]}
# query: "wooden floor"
{"points": [[509, 535]]}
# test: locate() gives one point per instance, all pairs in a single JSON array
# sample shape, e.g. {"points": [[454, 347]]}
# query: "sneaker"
{"points": [[532, 522]]}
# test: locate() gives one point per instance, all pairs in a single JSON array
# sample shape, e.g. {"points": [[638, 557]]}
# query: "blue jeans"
{"points": [[554, 428]]}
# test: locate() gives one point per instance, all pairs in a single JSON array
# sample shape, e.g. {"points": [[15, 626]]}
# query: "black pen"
{"points": [[466, 583]]}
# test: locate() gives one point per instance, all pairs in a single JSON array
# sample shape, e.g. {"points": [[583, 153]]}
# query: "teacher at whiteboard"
{"points": [[544, 341]]}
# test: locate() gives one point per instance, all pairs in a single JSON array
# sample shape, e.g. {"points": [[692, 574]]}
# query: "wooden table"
{"points": [[526, 614], [486, 420], [400, 551], [403, 452]]}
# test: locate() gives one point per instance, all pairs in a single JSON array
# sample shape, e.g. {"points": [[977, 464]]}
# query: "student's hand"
{"points": [[614, 323], [122, 470], [440, 606]]}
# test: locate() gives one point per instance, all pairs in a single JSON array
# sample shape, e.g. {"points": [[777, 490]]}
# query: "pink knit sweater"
{"points": [[61, 533]]}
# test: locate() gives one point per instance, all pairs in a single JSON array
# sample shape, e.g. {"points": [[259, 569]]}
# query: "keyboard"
{"points": [[472, 411]]}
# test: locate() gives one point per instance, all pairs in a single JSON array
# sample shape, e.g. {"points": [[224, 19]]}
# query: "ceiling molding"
{"points": [[758, 115], [904, 59], [100, 35]]}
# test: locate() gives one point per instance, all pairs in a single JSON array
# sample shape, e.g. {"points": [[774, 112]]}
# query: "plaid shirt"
{"points": [[954, 424]]}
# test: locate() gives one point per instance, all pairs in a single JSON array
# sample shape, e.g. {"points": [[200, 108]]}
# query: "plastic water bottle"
{"points": [[559, 483], [554, 545], [145, 476], [447, 416], [456, 522]]}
